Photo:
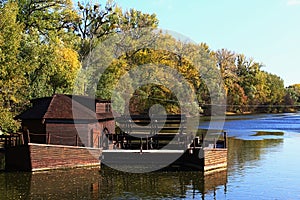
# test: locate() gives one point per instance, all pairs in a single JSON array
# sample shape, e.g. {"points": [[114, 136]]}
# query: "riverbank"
{"points": [[288, 110]]}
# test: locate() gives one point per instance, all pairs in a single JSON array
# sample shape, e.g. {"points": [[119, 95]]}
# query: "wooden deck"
{"points": [[161, 141]]}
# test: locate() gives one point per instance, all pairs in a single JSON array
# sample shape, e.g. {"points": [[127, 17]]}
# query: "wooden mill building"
{"points": [[68, 120], [62, 131]]}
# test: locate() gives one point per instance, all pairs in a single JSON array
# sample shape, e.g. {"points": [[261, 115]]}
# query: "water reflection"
{"points": [[109, 184], [158, 185], [242, 152], [257, 168]]}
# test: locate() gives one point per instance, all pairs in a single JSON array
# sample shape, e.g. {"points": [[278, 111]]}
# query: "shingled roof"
{"points": [[61, 106]]}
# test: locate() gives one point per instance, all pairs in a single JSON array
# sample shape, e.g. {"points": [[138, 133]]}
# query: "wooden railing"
{"points": [[141, 131], [11, 140], [157, 124]]}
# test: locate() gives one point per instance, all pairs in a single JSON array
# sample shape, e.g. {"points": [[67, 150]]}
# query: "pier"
{"points": [[162, 142]]}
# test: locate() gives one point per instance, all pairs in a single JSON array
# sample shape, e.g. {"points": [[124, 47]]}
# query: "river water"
{"points": [[259, 167]]}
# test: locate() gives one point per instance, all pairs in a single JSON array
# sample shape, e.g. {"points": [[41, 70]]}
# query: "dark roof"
{"points": [[61, 106], [38, 109]]}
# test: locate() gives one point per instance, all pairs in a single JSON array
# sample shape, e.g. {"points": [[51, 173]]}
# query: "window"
{"points": [[107, 107]]}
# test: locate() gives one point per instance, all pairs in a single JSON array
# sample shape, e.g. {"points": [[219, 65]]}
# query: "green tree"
{"points": [[227, 63], [12, 79], [48, 46], [162, 51], [292, 98]]}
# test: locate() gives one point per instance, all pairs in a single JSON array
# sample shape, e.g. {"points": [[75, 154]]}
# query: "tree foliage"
{"points": [[12, 79], [45, 43], [248, 87]]}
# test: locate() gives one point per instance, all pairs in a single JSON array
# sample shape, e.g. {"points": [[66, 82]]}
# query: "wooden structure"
{"points": [[67, 120], [10, 140], [143, 132], [162, 140], [62, 131], [37, 157]]}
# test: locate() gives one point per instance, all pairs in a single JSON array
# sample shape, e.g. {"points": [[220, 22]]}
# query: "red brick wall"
{"points": [[215, 159], [45, 157]]}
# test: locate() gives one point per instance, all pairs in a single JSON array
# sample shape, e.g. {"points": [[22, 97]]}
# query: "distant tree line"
{"points": [[43, 45]]}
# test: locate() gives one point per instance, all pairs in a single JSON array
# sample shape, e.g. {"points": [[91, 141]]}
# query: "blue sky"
{"points": [[266, 30]]}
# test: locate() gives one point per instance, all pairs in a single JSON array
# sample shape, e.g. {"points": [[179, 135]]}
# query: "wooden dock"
{"points": [[200, 159], [160, 142]]}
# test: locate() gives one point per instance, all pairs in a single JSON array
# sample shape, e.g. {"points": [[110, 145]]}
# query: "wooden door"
{"points": [[96, 139]]}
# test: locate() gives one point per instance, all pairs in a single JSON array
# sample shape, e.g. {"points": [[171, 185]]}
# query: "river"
{"points": [[260, 166]]}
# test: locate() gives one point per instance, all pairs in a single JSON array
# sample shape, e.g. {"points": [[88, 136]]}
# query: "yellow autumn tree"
{"points": [[66, 67]]}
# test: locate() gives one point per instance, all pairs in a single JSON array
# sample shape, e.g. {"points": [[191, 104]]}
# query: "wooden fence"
{"points": [[11, 140]]}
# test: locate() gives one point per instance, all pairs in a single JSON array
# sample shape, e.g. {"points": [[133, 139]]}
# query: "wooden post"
{"points": [[5, 141], [28, 135], [202, 138], [76, 140], [225, 140], [147, 142], [141, 150], [22, 139], [215, 143], [48, 138], [10, 140]]}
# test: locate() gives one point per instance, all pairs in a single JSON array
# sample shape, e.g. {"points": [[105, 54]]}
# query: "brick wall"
{"points": [[36, 157], [215, 159]]}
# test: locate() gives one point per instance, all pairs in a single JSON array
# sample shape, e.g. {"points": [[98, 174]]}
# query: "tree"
{"points": [[97, 21], [247, 71], [48, 46], [152, 58], [37, 55], [292, 97], [12, 79], [248, 88], [236, 98]]}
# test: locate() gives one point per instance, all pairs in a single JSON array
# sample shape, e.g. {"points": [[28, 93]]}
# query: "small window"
{"points": [[107, 107]]}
